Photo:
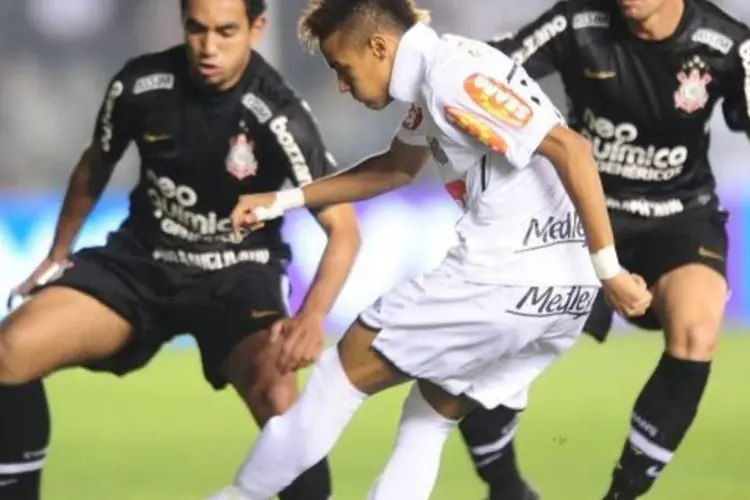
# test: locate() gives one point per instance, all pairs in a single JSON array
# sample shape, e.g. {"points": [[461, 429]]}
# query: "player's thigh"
{"points": [[230, 312], [56, 328], [690, 302], [550, 333]]}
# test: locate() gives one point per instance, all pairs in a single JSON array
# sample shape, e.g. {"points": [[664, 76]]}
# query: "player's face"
{"points": [[363, 71], [641, 10], [219, 37]]}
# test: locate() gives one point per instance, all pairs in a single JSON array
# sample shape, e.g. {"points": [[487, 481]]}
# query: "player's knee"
{"points": [[13, 371], [695, 342], [270, 398]]}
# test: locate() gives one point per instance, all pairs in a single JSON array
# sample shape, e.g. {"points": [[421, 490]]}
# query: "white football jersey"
{"points": [[484, 118]]}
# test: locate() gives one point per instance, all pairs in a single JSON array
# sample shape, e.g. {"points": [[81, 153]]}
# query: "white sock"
{"points": [[413, 466], [291, 443]]}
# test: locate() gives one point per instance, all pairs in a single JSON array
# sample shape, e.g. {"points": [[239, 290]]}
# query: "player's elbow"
{"points": [[340, 225]]}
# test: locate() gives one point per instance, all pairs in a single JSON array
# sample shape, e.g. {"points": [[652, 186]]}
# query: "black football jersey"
{"points": [[645, 105], [200, 150]]}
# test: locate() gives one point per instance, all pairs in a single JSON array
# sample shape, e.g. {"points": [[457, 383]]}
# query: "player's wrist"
{"points": [[289, 199], [605, 262]]}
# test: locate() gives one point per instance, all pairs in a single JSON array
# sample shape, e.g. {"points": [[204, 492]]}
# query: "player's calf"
{"points": [[489, 435], [24, 437], [690, 304]]}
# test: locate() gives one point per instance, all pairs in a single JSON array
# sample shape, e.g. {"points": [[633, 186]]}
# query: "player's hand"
{"points": [[251, 211], [42, 274], [627, 294], [301, 339]]}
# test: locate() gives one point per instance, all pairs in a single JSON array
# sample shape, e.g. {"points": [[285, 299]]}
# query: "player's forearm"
{"points": [[577, 170], [84, 188], [334, 268], [374, 176]]}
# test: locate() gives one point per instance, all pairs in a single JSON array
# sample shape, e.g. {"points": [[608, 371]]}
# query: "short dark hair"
{"points": [[322, 18], [254, 8]]}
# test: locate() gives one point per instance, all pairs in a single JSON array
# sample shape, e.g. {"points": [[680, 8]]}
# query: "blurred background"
{"points": [[56, 57]]}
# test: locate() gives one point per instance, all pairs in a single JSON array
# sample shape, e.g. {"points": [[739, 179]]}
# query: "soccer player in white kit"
{"points": [[506, 301]]}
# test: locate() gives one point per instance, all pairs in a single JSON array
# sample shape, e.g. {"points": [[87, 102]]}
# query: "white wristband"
{"points": [[286, 200], [606, 265], [289, 199]]}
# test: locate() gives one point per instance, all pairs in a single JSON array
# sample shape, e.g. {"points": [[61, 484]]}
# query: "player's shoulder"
{"points": [[153, 71], [269, 90], [581, 14], [458, 57], [710, 15], [717, 29]]}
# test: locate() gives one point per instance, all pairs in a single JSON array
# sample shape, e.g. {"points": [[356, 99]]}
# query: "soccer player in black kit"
{"points": [[642, 78], [211, 120]]}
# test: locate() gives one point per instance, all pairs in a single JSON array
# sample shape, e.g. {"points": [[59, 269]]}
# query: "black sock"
{"points": [[662, 416], [24, 437], [314, 484], [599, 322], [489, 436]]}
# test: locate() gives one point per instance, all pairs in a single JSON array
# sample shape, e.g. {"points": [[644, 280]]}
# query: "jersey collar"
{"points": [[413, 53]]}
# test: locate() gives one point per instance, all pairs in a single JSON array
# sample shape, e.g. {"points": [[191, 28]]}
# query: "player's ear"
{"points": [[258, 27], [379, 46]]}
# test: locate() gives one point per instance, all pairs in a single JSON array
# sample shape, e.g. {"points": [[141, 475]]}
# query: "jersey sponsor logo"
{"points": [[157, 81], [744, 52], [173, 206], [241, 161], [499, 100], [541, 302], [478, 128], [692, 94], [553, 230], [212, 261], [292, 150], [713, 39], [591, 19], [115, 91], [646, 208], [414, 118], [540, 37], [457, 191], [618, 151], [257, 107]]}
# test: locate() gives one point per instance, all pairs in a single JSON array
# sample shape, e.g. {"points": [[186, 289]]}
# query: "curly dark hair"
{"points": [[322, 18]]}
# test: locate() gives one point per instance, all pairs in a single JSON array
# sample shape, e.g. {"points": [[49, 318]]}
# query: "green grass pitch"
{"points": [[162, 434]]}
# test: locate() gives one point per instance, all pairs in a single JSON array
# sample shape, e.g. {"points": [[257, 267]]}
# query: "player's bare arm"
{"points": [[570, 153], [303, 334], [85, 186], [378, 174]]}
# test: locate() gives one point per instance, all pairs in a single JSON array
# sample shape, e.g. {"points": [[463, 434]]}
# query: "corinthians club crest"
{"points": [[241, 161], [692, 94]]}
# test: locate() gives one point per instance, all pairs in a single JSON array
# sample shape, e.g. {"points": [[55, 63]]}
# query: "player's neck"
{"points": [[661, 24]]}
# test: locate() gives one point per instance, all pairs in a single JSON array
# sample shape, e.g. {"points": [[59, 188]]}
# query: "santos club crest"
{"points": [[692, 94], [241, 161]]}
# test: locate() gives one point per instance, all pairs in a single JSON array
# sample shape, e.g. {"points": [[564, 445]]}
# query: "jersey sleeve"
{"points": [[497, 105], [736, 105], [117, 120], [300, 145], [411, 131], [542, 46]]}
